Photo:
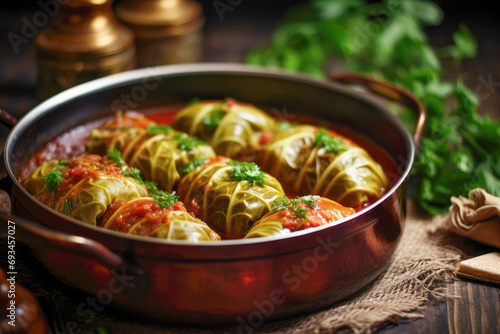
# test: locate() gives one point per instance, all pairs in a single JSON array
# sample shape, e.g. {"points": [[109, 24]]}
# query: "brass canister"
{"points": [[83, 42], [166, 31]]}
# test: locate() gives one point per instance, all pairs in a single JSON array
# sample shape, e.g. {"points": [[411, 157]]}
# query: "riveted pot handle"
{"points": [[42, 237], [391, 92]]}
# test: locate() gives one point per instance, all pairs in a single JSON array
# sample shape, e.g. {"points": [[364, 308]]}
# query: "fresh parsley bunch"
{"points": [[460, 149]]}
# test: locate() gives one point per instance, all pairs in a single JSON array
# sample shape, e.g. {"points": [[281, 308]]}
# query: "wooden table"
{"points": [[477, 310]]}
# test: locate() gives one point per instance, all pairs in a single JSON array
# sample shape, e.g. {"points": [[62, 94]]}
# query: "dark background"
{"points": [[249, 25]]}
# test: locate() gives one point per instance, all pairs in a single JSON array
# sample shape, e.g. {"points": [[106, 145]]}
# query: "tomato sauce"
{"points": [[72, 143]]}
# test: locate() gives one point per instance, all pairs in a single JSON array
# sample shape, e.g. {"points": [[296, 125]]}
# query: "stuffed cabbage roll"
{"points": [[298, 214], [230, 196], [83, 187], [310, 160], [143, 216], [159, 152], [232, 128]]}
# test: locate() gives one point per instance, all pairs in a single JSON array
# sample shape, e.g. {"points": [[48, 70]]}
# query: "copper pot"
{"points": [[242, 282]]}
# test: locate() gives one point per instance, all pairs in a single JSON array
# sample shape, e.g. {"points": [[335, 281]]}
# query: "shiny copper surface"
{"points": [[166, 31], [83, 42], [239, 282]]}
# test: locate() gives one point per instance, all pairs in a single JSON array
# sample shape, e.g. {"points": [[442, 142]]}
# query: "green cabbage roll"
{"points": [[298, 214], [232, 128], [159, 152], [84, 187], [143, 216], [230, 196], [310, 160]]}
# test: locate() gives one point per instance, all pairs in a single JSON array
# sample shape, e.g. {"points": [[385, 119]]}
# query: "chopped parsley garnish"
{"points": [[186, 142], [154, 129], [309, 200], [331, 144], [116, 156], [162, 198], [300, 212], [54, 178], [284, 125], [247, 171], [283, 203], [193, 164], [67, 206], [280, 204], [213, 119]]}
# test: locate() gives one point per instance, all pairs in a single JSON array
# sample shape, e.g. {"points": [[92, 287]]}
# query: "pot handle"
{"points": [[391, 92], [7, 119], [32, 234]]}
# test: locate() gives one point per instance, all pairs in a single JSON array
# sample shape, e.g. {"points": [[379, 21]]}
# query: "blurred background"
{"points": [[229, 37]]}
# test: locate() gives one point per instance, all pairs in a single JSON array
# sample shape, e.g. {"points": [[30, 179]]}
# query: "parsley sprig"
{"points": [[330, 143], [162, 198], [54, 178], [193, 164], [284, 203], [116, 156], [155, 129], [67, 206], [459, 150], [186, 142], [247, 171], [213, 119], [284, 125]]}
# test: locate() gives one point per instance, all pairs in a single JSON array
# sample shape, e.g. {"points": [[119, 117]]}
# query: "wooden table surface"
{"points": [[477, 310]]}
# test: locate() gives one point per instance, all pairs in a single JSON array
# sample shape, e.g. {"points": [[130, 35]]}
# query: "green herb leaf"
{"points": [[67, 206], [284, 125], [186, 142], [116, 156], [154, 129], [459, 148], [331, 144], [164, 199], [247, 171], [300, 212], [54, 178], [193, 164], [309, 199], [213, 119], [280, 204]]}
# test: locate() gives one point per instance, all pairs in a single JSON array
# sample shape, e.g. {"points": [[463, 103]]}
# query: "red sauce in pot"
{"points": [[72, 143]]}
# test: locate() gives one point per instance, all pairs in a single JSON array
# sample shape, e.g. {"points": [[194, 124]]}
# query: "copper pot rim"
{"points": [[136, 76]]}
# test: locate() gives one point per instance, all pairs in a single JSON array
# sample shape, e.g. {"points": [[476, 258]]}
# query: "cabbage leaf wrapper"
{"points": [[232, 128], [229, 206], [310, 160], [298, 214], [159, 152], [142, 216], [86, 187]]}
